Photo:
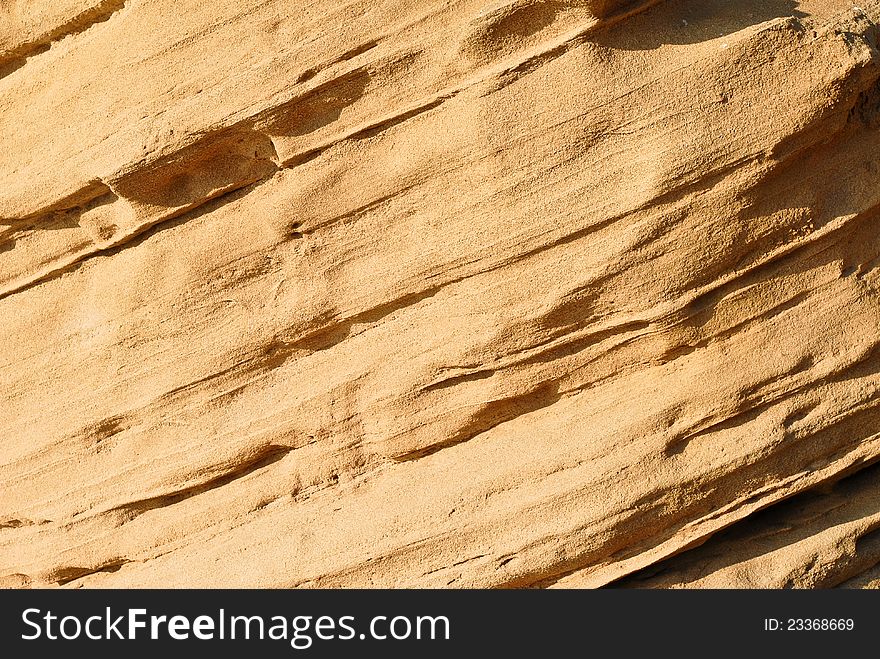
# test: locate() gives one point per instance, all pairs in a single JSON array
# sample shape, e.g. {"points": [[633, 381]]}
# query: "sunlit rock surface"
{"points": [[439, 294]]}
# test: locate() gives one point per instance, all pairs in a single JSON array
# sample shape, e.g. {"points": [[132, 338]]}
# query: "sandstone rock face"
{"points": [[521, 293]]}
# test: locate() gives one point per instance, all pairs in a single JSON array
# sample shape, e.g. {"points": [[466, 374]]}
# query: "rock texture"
{"points": [[449, 294]]}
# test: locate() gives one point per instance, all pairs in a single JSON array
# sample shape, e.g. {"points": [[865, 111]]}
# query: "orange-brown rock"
{"points": [[467, 294]]}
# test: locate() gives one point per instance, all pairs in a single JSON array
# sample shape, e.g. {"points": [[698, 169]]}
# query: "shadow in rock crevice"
{"points": [[681, 22], [853, 498]]}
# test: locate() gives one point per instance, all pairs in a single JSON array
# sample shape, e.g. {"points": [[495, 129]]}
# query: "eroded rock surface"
{"points": [[466, 294]]}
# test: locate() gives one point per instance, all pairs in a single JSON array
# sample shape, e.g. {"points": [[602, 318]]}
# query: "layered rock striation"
{"points": [[541, 293]]}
